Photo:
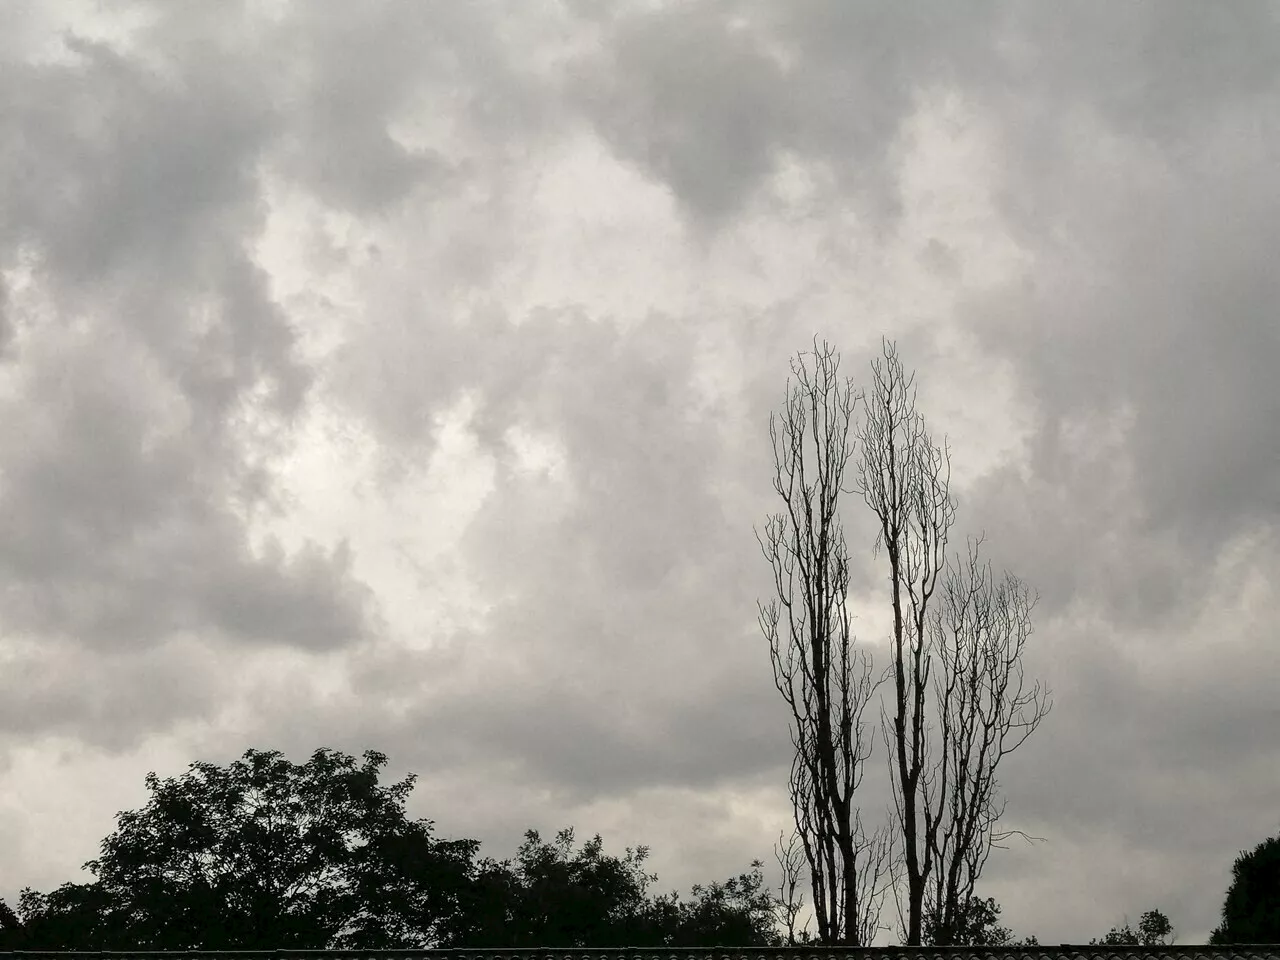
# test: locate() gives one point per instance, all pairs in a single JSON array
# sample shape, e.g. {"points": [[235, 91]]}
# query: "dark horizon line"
{"points": [[1259, 950]]}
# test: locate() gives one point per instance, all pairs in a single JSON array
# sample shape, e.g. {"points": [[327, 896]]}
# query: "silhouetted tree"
{"points": [[264, 854], [75, 916], [11, 931], [1153, 929], [943, 775], [978, 927], [552, 896], [737, 913], [825, 682], [268, 855], [981, 627], [790, 900], [1251, 911], [488, 907]]}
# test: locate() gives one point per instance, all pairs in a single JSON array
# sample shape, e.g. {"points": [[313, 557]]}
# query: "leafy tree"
{"points": [[8, 919], [737, 913], [1121, 936], [267, 855], [73, 917], [552, 897], [11, 931], [977, 926], [1153, 929], [488, 907], [263, 854], [1251, 911]]}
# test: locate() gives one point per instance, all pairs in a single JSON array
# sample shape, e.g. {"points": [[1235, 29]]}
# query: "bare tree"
{"points": [[875, 873], [825, 682], [905, 480], [944, 781], [790, 900], [982, 626]]}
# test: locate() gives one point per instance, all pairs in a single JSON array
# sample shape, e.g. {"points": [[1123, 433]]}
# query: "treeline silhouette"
{"points": [[266, 854]]}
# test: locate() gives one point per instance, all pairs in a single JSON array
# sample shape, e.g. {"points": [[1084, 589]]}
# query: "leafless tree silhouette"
{"points": [[790, 900], [824, 680], [973, 631], [986, 713]]}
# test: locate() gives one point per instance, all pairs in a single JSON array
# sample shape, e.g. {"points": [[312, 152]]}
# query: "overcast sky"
{"points": [[397, 375]]}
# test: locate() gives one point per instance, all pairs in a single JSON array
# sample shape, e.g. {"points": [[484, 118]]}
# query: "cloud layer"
{"points": [[399, 377]]}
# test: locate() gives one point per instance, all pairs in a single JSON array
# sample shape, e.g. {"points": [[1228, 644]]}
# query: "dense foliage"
{"points": [[1251, 911], [978, 927], [266, 854], [1153, 929]]}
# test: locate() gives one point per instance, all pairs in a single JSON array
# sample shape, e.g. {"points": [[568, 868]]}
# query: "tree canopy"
{"points": [[1251, 911], [1153, 929], [978, 926], [266, 854], [262, 852]]}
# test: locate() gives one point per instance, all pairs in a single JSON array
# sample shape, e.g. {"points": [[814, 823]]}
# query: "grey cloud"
{"points": [[1177, 745], [108, 164], [6, 323], [134, 189], [357, 71], [1159, 71], [693, 103], [107, 700], [118, 530], [1177, 89], [309, 600], [708, 98], [642, 574], [621, 652], [128, 455], [591, 741], [1164, 328], [351, 76]]}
